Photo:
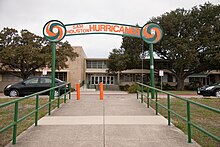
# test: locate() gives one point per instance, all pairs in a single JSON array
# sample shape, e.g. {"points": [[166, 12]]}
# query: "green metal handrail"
{"points": [[37, 108], [188, 102]]}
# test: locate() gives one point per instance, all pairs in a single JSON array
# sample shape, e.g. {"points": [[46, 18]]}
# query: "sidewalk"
{"points": [[118, 121]]}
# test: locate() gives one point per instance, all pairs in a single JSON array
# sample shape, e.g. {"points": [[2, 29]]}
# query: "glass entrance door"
{"points": [[107, 80]]}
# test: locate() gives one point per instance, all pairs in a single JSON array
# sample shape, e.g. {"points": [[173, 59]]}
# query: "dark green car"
{"points": [[32, 85]]}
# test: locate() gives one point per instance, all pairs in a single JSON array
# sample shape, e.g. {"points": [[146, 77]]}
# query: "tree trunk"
{"points": [[180, 83]]}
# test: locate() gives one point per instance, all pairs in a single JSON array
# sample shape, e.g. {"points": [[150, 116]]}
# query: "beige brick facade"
{"points": [[76, 69]]}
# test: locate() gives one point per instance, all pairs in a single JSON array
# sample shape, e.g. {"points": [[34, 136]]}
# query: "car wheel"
{"points": [[14, 93], [217, 93]]}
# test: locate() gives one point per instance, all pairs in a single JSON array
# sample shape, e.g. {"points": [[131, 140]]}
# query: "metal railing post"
{"points": [[15, 123], [137, 89], [188, 122], [58, 101], [36, 108], [65, 94], [142, 90], [148, 98], [49, 106], [168, 109], [69, 87], [156, 102]]}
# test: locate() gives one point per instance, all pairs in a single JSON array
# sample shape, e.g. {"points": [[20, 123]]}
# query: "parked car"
{"points": [[32, 85], [210, 90]]}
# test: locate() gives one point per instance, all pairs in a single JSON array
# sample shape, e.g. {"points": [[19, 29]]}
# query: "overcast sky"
{"points": [[33, 14]]}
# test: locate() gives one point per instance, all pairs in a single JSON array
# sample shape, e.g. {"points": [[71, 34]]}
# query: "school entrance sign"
{"points": [[54, 31]]}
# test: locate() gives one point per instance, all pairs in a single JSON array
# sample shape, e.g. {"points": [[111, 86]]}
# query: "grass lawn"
{"points": [[182, 92], [25, 107], [204, 118]]}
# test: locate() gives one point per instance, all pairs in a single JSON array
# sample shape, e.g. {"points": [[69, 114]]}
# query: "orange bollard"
{"points": [[101, 91], [78, 91]]}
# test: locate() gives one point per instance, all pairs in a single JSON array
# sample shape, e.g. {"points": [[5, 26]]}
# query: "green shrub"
{"points": [[192, 86], [124, 87], [132, 89], [165, 86]]}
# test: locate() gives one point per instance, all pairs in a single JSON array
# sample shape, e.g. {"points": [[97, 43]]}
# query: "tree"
{"points": [[28, 52], [116, 60], [190, 42], [128, 56]]}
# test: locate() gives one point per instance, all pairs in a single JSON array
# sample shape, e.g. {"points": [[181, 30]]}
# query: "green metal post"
{"points": [[65, 94], [188, 122], [15, 123], [142, 91], [148, 93], [69, 87], [53, 68], [137, 89], [148, 98], [156, 102], [58, 102], [49, 107], [151, 70], [36, 108], [168, 109]]}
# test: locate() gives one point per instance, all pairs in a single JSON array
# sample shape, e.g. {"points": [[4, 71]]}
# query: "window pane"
{"points": [[104, 80], [108, 80], [104, 64], [100, 79], [94, 64], [96, 80], [89, 64], [93, 81], [61, 75], [99, 64], [112, 80], [32, 81]]}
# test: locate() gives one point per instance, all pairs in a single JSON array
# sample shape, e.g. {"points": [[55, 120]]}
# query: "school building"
{"points": [[91, 71]]}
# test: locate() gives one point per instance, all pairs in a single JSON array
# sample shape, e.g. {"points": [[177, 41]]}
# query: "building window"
{"points": [[104, 80], [96, 80], [104, 64], [170, 78], [112, 80], [96, 64], [92, 80], [89, 64], [61, 75], [99, 64], [107, 80], [93, 64]]}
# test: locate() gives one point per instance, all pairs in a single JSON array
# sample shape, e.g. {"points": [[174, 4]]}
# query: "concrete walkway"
{"points": [[118, 121]]}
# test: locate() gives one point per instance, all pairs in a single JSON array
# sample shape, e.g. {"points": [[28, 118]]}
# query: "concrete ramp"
{"points": [[118, 121]]}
